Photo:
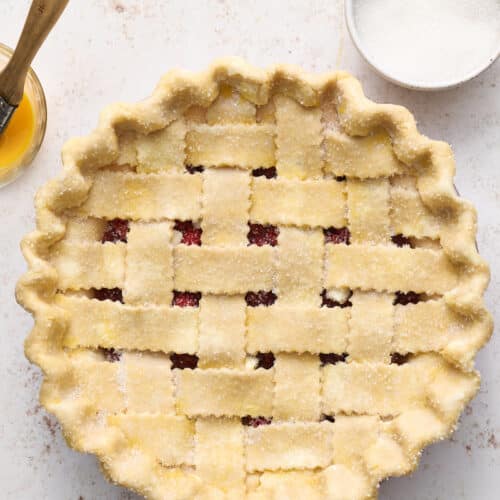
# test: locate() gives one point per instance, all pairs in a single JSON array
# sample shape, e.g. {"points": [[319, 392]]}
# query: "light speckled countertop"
{"points": [[110, 50]]}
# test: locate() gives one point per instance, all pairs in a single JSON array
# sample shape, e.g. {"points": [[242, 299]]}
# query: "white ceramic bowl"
{"points": [[349, 8]]}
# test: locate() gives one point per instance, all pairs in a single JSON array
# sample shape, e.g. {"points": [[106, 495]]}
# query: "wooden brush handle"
{"points": [[41, 18]]}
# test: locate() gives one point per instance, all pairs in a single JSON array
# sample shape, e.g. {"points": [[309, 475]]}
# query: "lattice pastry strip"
{"points": [[371, 327], [386, 268], [148, 384], [298, 140], [368, 204], [293, 329], [222, 331], [199, 392], [144, 196], [289, 446], [150, 283], [409, 215], [298, 203], [162, 151], [361, 157], [226, 204], [297, 387], [220, 459], [109, 324], [245, 146], [223, 269], [89, 265], [299, 268]]}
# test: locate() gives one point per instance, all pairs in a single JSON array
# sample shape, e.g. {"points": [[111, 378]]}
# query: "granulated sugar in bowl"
{"points": [[426, 44]]}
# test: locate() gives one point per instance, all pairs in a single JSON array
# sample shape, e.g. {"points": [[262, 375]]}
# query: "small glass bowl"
{"points": [[34, 91]]}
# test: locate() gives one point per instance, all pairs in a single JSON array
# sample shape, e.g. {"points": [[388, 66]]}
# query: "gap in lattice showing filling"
{"points": [[183, 361], [336, 298], [337, 235], [262, 234], [190, 234], [250, 421], [265, 360], [113, 294], [398, 358], [327, 418], [268, 173], [195, 169], [401, 240], [332, 358], [261, 298], [115, 230], [186, 299], [111, 355]]}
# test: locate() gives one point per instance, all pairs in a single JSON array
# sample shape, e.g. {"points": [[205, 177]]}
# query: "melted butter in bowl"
{"points": [[22, 139]]}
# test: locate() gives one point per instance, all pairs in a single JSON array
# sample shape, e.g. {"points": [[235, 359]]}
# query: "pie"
{"points": [[255, 284]]}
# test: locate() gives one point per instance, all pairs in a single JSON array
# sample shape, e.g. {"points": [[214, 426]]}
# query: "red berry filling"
{"points": [[337, 235], [332, 358], [183, 361], [111, 355], [186, 299], [328, 418], [399, 359], [404, 299], [401, 241], [268, 173], [114, 294], [193, 169], [265, 360], [260, 298], [328, 302], [255, 421], [115, 230], [261, 234], [191, 235]]}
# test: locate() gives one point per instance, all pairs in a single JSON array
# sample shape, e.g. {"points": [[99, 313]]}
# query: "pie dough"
{"points": [[288, 305]]}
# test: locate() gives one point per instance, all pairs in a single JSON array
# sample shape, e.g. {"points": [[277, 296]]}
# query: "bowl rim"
{"points": [[413, 85]]}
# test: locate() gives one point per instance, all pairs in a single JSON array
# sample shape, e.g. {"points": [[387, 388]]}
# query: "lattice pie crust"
{"points": [[255, 284]]}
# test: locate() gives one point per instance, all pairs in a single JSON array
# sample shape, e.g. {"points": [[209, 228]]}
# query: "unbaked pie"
{"points": [[255, 284]]}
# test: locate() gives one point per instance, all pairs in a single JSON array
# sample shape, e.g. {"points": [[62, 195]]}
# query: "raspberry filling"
{"points": [[191, 235], [268, 173], [332, 358], [337, 235], [186, 299], [265, 360], [260, 298], [399, 359], [111, 355], [328, 302], [404, 299], [328, 418], [401, 241], [255, 421], [193, 169], [114, 294], [183, 361], [115, 230], [261, 235]]}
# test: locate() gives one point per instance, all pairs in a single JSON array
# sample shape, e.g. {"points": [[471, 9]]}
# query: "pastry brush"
{"points": [[42, 16]]}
